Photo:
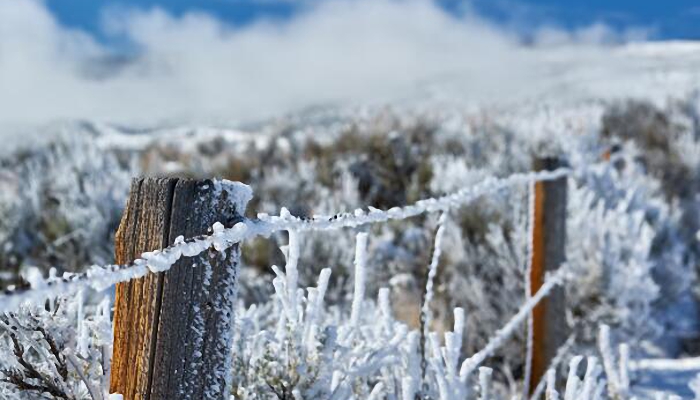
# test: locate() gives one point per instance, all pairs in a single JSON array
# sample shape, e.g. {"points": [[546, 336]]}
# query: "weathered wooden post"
{"points": [[172, 330], [548, 254]]}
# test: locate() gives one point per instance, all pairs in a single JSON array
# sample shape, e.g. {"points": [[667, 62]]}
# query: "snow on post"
{"points": [[173, 329]]}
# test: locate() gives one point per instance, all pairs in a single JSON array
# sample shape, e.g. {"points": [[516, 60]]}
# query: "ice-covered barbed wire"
{"points": [[426, 313], [501, 335], [373, 215], [102, 277]]}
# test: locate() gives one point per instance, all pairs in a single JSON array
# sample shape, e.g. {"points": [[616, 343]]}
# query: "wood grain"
{"points": [[172, 329]]}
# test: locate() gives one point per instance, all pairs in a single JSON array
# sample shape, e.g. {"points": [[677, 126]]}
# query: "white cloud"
{"points": [[198, 68]]}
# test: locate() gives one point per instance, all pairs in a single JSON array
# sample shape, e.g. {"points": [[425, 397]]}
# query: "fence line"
{"points": [[102, 277], [157, 204]]}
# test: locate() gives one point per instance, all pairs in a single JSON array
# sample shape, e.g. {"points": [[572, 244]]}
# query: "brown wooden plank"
{"points": [[142, 229], [123, 249], [192, 359]]}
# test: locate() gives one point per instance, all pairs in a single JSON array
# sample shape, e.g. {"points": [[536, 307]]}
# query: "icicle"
{"points": [[624, 369], [82, 335], [451, 353], [437, 365], [360, 276], [590, 380], [459, 321], [608, 360], [485, 382], [52, 277], [314, 306], [281, 301], [573, 383], [384, 303], [551, 393], [409, 386], [106, 307], [292, 274], [377, 392], [322, 284], [598, 393], [453, 341], [337, 377], [384, 307], [413, 367], [310, 318]]}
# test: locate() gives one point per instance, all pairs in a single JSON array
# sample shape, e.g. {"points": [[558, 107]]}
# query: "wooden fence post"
{"points": [[172, 330], [548, 253]]}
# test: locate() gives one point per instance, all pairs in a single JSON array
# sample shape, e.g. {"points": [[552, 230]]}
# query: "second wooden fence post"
{"points": [[172, 330], [548, 253]]}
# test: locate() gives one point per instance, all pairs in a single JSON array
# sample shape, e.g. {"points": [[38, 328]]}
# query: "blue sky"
{"points": [[673, 19]]}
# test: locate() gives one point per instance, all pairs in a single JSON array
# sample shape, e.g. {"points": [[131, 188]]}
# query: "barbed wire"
{"points": [[507, 330], [102, 277]]}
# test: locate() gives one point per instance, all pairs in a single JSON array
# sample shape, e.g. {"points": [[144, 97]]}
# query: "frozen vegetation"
{"points": [[340, 315]]}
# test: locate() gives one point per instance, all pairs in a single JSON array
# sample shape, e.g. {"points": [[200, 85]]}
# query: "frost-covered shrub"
{"points": [[61, 205], [297, 347], [625, 244], [61, 351]]}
